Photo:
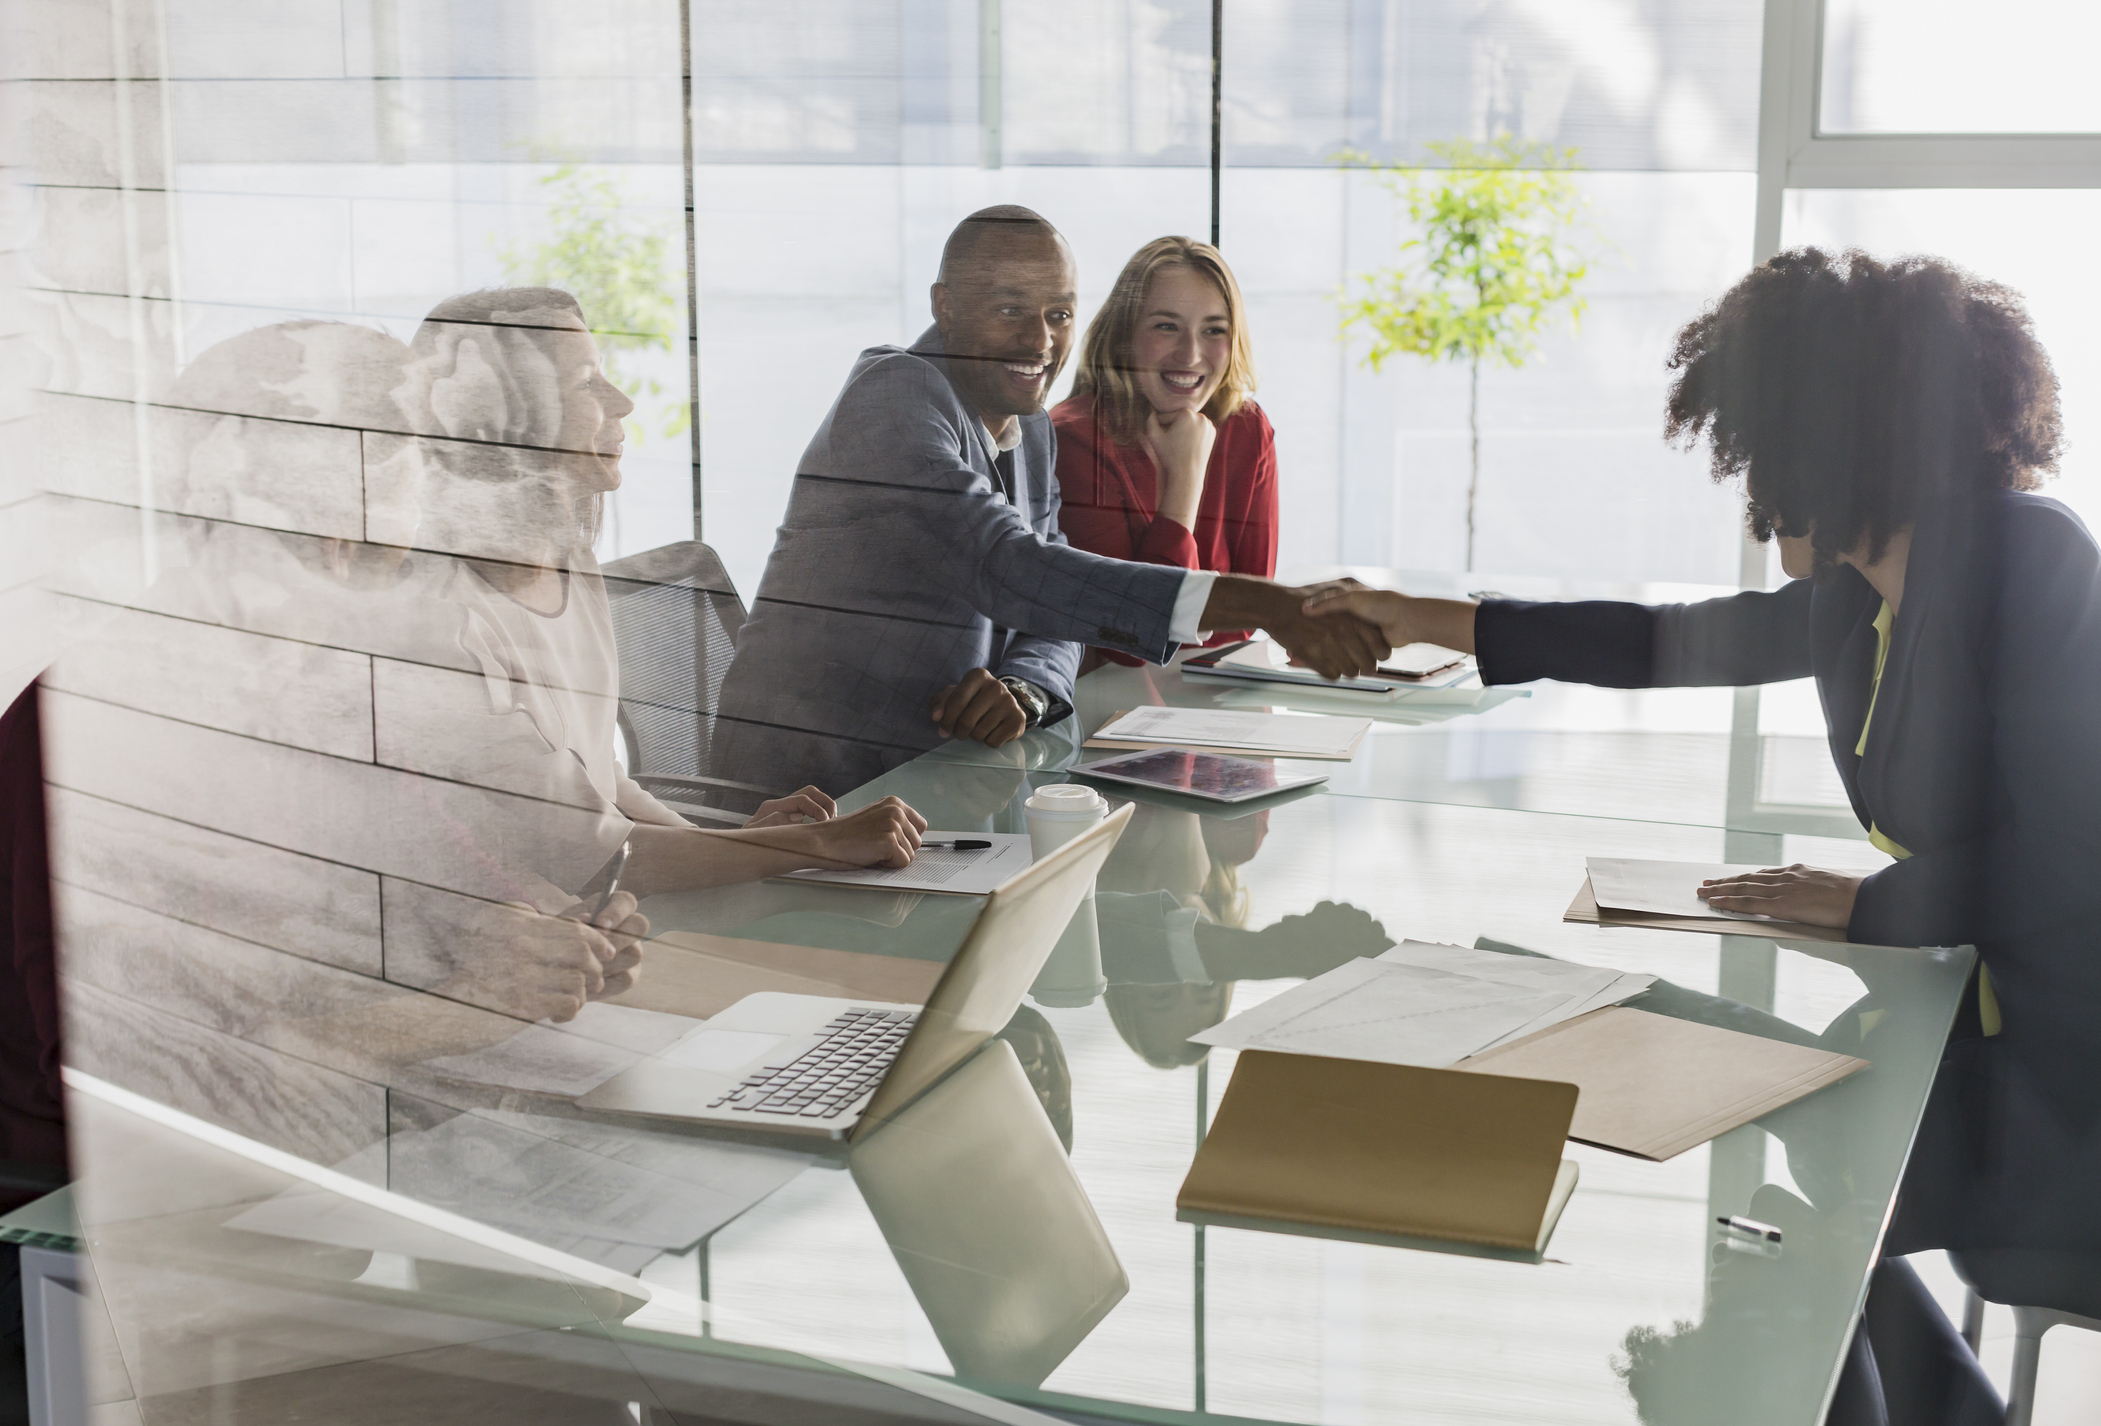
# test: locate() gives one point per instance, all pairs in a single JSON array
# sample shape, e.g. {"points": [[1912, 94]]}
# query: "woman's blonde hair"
{"points": [[1107, 372]]}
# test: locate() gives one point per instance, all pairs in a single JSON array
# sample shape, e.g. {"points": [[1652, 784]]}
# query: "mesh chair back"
{"points": [[676, 618]]}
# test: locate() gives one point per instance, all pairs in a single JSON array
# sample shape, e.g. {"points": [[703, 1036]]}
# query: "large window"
{"points": [[834, 152]]}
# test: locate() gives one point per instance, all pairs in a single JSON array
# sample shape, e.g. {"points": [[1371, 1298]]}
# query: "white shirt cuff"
{"points": [[1189, 607]]}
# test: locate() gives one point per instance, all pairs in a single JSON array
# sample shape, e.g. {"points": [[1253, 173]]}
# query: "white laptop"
{"points": [[819, 1066]]}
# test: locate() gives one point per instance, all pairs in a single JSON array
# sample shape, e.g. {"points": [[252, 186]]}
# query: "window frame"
{"points": [[1794, 153]]}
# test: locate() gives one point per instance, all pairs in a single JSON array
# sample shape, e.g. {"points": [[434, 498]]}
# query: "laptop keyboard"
{"points": [[851, 1054]]}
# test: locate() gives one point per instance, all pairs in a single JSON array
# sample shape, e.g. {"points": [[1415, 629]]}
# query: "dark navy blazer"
{"points": [[1983, 760]]}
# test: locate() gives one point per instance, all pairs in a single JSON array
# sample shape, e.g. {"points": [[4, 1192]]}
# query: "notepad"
{"points": [[1395, 1155], [975, 871], [1268, 734], [1663, 888], [1585, 908]]}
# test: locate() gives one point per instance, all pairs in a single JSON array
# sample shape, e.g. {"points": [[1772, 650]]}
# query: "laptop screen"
{"points": [[1003, 953]]}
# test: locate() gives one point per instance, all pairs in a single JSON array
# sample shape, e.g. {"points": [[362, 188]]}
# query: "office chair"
{"points": [[676, 618], [2045, 1290]]}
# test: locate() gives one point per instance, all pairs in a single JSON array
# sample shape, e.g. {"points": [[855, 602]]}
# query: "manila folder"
{"points": [[1654, 1086], [1384, 1150]]}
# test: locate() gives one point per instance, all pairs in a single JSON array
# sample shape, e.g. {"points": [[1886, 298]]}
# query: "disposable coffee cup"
{"points": [[1059, 812], [1073, 974]]}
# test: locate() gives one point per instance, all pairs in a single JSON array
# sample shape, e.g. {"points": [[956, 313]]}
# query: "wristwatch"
{"points": [[1033, 700]]}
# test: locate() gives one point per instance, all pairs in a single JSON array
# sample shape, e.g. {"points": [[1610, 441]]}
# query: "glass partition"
{"points": [[532, 521]]}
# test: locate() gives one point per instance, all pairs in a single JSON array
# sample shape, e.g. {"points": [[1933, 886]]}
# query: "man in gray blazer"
{"points": [[920, 588]]}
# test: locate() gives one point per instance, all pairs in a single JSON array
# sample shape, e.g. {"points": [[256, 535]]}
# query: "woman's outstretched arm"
{"points": [[1741, 639], [662, 859]]}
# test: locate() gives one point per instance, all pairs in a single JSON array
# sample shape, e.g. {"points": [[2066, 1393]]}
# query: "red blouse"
{"points": [[1110, 494]]}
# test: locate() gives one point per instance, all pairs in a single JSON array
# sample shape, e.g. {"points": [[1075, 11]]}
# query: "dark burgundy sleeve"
{"points": [[1254, 541], [1091, 515], [1167, 542]]}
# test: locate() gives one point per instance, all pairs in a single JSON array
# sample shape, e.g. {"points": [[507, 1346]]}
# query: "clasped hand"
{"points": [[980, 708], [1329, 638], [885, 833]]}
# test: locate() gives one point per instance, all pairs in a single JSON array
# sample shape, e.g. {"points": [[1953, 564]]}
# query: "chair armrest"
{"points": [[696, 784]]}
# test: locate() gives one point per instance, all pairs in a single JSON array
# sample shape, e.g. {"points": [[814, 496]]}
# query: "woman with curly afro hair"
{"points": [[1890, 422]]}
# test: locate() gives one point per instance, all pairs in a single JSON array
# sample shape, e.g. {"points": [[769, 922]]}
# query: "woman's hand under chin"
{"points": [[1180, 444], [1790, 893]]}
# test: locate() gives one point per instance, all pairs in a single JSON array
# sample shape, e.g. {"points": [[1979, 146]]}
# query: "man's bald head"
{"points": [[1004, 303], [980, 239]]}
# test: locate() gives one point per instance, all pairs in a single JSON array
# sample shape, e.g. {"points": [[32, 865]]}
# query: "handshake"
{"points": [[1340, 629]]}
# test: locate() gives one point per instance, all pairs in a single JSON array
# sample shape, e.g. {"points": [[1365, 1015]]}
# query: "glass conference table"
{"points": [[956, 1276]]}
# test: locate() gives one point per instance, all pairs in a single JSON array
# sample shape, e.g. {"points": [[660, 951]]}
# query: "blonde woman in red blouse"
{"points": [[1161, 455]]}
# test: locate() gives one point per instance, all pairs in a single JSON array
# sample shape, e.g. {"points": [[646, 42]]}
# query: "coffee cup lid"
{"points": [[1065, 797]]}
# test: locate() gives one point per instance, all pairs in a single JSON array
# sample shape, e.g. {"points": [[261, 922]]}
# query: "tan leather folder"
{"points": [[1385, 1154], [688, 973], [1585, 909], [1654, 1086]]}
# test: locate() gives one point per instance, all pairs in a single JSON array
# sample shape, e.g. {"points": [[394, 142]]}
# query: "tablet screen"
{"points": [[1200, 774]]}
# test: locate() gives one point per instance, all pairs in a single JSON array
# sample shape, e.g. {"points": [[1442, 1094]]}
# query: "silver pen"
{"points": [[605, 898]]}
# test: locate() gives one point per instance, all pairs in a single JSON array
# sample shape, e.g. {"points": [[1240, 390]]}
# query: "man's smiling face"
{"points": [[1006, 318]]}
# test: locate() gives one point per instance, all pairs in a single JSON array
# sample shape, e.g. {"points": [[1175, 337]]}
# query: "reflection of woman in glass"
{"points": [[1891, 422], [1162, 456], [526, 442], [1173, 919]]}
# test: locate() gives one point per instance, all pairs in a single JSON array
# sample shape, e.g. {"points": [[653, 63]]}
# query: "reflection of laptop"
{"points": [[980, 1205], [814, 1065]]}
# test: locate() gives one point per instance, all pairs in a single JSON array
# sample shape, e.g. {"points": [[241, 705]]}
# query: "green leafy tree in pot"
{"points": [[1492, 263]]}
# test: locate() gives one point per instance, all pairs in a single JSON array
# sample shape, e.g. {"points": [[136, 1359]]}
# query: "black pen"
{"points": [[962, 845], [1751, 1226]]}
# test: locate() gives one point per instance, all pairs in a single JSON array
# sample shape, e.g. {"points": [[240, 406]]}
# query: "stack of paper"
{"points": [[1265, 734], [1424, 1004]]}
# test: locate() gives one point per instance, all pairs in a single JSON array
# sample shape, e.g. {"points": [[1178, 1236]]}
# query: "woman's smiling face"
{"points": [[1184, 340], [593, 410]]}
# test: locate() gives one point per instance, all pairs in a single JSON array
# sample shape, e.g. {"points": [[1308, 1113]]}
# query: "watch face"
{"points": [[1031, 698]]}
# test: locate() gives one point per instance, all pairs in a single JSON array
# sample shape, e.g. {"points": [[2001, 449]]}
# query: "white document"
{"points": [[1309, 735], [974, 872], [569, 1059], [1387, 1011], [1666, 888], [605, 1192], [1584, 988], [511, 1171], [309, 1214]]}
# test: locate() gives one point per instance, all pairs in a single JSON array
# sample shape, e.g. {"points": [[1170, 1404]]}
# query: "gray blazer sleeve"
{"points": [[902, 427]]}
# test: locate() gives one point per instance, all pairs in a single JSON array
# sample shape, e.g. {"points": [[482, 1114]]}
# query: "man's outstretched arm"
{"points": [[1333, 645]]}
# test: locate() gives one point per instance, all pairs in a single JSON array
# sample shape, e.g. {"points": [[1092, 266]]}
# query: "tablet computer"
{"points": [[1197, 773]]}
